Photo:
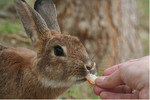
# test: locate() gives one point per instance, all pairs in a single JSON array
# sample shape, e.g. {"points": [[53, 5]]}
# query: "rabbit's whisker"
{"points": [[93, 57]]}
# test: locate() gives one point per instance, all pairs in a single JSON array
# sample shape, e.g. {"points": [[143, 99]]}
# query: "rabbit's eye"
{"points": [[58, 51]]}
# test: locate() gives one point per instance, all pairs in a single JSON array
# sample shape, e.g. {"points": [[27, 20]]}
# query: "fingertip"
{"points": [[99, 80], [111, 70], [97, 90], [112, 95], [103, 95], [106, 72]]}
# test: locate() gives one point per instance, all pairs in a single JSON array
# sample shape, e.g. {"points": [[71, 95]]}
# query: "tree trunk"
{"points": [[107, 28]]}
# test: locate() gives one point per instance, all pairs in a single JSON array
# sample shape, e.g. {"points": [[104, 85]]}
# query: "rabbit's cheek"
{"points": [[78, 74], [55, 73], [46, 82]]}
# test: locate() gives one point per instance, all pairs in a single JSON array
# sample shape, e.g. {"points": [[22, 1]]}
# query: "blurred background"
{"points": [[112, 31]]}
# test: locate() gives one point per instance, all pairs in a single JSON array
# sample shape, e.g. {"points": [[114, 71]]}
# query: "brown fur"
{"points": [[20, 67], [17, 79], [41, 74]]}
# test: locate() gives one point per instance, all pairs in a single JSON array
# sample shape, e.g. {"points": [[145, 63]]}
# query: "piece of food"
{"points": [[91, 78]]}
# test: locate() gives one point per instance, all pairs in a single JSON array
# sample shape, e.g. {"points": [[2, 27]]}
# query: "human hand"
{"points": [[118, 81]]}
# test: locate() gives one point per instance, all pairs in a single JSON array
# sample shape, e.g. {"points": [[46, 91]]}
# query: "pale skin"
{"points": [[129, 80]]}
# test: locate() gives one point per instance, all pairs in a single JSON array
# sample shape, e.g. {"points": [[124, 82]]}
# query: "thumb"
{"points": [[110, 81]]}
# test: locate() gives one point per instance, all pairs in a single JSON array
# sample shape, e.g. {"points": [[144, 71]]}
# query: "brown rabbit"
{"points": [[59, 62]]}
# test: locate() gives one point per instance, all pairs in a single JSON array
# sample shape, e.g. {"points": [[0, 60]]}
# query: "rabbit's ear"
{"points": [[47, 9], [35, 26]]}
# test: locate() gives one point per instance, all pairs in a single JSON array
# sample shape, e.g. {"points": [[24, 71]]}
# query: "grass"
{"points": [[75, 90], [144, 4], [145, 43], [143, 13], [79, 93], [4, 3], [143, 20], [9, 27]]}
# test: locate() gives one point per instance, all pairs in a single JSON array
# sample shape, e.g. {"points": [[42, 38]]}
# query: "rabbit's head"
{"points": [[61, 59]]}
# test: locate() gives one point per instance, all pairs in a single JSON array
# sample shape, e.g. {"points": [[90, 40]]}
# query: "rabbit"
{"points": [[59, 61]]}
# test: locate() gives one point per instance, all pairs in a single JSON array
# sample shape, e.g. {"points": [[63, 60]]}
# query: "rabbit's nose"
{"points": [[90, 66]]}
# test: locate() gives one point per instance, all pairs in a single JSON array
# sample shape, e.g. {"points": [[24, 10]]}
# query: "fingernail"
{"points": [[99, 80]]}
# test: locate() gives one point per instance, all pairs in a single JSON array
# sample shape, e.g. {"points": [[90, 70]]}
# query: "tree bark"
{"points": [[107, 28]]}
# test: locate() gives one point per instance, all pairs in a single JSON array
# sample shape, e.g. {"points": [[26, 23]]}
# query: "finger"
{"points": [[116, 67], [110, 81], [97, 90], [111, 95], [144, 93], [111, 70], [121, 89], [99, 80]]}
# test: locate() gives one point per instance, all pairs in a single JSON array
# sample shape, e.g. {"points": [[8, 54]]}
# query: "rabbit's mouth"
{"points": [[81, 80], [78, 79]]}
